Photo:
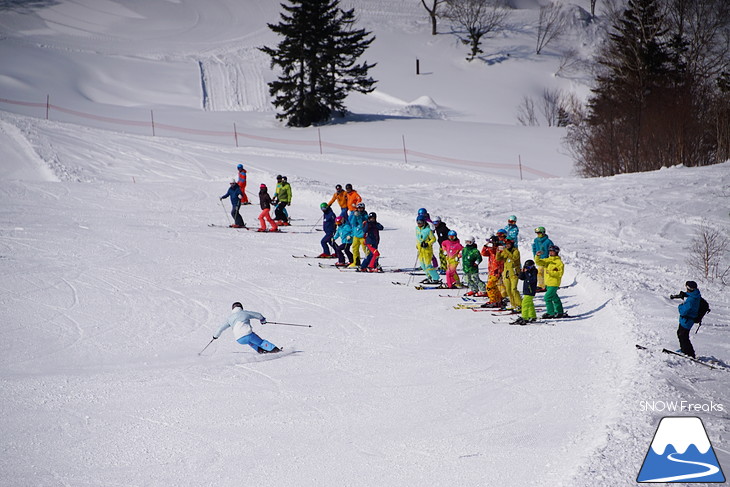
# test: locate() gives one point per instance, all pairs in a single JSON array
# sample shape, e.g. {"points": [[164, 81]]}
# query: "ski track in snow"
{"points": [[112, 282]]}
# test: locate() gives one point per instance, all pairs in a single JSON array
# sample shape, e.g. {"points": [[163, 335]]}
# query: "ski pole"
{"points": [[203, 350], [224, 210], [412, 274], [286, 324], [316, 223]]}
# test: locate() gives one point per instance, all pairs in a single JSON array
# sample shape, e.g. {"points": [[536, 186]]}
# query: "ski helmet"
{"points": [[236, 305], [284, 178], [360, 206], [452, 233], [512, 218], [348, 187], [338, 187], [529, 263], [323, 206], [540, 230], [263, 186], [436, 220], [690, 285], [420, 218], [372, 214], [470, 240], [339, 220], [501, 232], [422, 211], [239, 167], [554, 248]]}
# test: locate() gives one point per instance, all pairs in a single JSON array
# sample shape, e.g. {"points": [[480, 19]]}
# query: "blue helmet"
{"points": [[420, 218], [452, 233], [240, 166], [422, 211]]}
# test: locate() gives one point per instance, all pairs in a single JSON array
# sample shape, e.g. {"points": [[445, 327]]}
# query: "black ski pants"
{"points": [[684, 343]]}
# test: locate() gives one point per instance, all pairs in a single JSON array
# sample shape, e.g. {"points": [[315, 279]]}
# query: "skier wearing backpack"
{"points": [[239, 321], [688, 314]]}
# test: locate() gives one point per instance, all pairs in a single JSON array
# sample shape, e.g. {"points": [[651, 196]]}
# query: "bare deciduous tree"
{"points": [[550, 25], [551, 105], [432, 7], [475, 19], [526, 113], [707, 252]]}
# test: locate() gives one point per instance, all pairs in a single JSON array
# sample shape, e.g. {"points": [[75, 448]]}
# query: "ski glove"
{"points": [[424, 245], [215, 337], [263, 321]]}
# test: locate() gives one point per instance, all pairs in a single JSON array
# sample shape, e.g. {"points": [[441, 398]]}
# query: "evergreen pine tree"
{"points": [[318, 61]]}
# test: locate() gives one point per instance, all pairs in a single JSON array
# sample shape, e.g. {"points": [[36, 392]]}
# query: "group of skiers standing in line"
{"points": [[282, 198], [357, 231], [543, 274]]}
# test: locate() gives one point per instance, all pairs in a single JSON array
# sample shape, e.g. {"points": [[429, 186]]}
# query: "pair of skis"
{"points": [[693, 359]]}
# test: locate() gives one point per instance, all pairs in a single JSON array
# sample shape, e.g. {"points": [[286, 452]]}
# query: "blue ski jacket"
{"points": [[541, 243], [344, 232], [689, 308], [234, 192], [356, 221], [372, 233], [328, 221], [240, 322], [512, 232]]}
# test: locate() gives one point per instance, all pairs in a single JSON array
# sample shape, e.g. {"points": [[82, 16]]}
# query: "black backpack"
{"points": [[702, 311]]}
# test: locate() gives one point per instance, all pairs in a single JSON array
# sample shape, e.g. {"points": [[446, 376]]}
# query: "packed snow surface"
{"points": [[113, 281]]}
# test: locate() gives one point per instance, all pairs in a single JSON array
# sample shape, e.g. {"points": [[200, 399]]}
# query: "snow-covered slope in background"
{"points": [[113, 281]]}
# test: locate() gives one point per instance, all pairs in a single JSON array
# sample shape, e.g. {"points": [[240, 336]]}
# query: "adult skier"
{"points": [[688, 311], [341, 197], [239, 321], [424, 244], [553, 274], [329, 228], [542, 243], [234, 193], [353, 198]]}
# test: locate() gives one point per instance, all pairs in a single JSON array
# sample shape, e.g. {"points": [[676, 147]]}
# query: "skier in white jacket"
{"points": [[240, 322]]}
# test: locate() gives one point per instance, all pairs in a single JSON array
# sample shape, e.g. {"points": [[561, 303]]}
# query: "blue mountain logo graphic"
{"points": [[681, 452]]}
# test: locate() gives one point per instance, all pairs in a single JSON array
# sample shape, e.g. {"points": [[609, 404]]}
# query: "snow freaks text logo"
{"points": [[681, 452]]}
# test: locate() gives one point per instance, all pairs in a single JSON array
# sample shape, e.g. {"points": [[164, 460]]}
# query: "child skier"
{"points": [[510, 255], [528, 274], [452, 248], [442, 234], [553, 274], [234, 193], [242, 184], [371, 232], [344, 233], [512, 229], [265, 215], [495, 267], [424, 245], [357, 222], [542, 243], [239, 321], [470, 259]]}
